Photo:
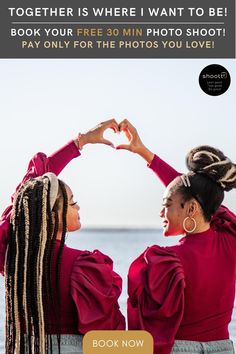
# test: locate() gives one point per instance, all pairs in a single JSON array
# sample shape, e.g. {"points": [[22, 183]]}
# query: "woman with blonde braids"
{"points": [[53, 291], [184, 294]]}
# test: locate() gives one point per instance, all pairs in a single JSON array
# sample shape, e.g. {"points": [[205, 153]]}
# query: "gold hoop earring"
{"points": [[194, 225]]}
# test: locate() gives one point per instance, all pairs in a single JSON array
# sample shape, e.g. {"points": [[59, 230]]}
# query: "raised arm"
{"points": [[223, 219], [165, 172], [38, 165], [56, 162]]}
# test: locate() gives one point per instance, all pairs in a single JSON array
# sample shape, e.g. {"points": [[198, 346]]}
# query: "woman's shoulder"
{"points": [[96, 266], [94, 282], [162, 253], [224, 220], [155, 263], [162, 250], [94, 256], [157, 270], [84, 261]]}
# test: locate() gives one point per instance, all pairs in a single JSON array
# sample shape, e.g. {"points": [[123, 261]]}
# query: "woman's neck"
{"points": [[202, 226]]}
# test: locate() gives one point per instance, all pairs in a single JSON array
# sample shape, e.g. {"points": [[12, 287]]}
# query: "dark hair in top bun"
{"points": [[211, 173], [212, 163]]}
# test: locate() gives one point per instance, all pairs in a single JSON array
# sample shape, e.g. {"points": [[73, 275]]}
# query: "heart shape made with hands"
{"points": [[116, 139]]}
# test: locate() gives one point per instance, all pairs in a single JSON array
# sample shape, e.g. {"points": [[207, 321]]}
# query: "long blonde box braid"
{"points": [[43, 240], [16, 307], [26, 212]]}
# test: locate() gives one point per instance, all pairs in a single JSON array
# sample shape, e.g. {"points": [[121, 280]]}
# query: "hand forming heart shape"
{"points": [[116, 138], [101, 134], [131, 141]]}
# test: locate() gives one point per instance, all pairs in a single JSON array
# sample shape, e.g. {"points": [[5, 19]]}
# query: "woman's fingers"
{"points": [[123, 147], [107, 142], [129, 130], [127, 134], [111, 123], [125, 124], [96, 135]]}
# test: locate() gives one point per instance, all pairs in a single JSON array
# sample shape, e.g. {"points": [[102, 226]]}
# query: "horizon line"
{"points": [[120, 228]]}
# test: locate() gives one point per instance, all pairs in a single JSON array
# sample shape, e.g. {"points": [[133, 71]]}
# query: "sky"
{"points": [[45, 103]]}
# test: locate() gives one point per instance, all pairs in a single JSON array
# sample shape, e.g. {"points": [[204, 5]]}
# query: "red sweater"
{"points": [[89, 286], [185, 291], [89, 291]]}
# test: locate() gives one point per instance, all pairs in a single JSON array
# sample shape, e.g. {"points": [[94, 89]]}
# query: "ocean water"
{"points": [[123, 246]]}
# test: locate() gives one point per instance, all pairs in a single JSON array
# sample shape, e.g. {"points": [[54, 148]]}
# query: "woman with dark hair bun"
{"points": [[184, 294], [54, 294]]}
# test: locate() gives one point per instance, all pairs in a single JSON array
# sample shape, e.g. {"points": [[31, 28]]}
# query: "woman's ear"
{"points": [[192, 207]]}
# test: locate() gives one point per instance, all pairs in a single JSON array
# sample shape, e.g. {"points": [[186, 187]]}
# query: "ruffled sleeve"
{"points": [[38, 165], [163, 171], [224, 220], [95, 289], [156, 296]]}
